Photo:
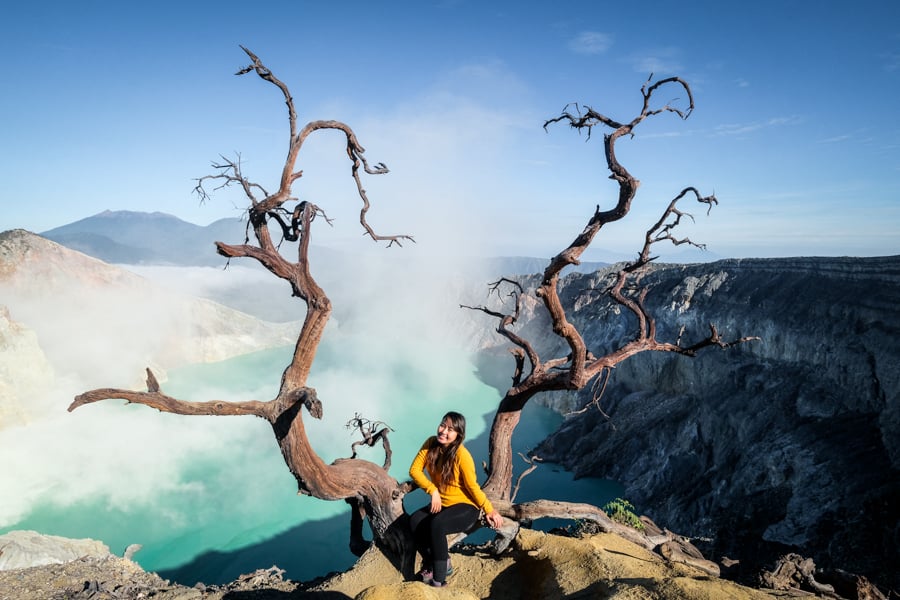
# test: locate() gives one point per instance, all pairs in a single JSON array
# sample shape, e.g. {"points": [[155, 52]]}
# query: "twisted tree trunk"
{"points": [[366, 486]]}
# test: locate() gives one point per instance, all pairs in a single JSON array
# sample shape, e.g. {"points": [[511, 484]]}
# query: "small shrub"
{"points": [[622, 511]]}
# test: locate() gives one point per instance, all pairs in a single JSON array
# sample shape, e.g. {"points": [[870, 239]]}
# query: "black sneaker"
{"points": [[426, 575]]}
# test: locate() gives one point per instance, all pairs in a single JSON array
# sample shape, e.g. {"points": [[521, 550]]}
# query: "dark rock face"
{"points": [[790, 442]]}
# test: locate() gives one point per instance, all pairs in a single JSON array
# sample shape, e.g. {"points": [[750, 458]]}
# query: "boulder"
{"points": [[24, 549]]}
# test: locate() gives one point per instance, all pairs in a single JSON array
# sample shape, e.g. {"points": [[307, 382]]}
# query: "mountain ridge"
{"points": [[132, 237], [141, 238]]}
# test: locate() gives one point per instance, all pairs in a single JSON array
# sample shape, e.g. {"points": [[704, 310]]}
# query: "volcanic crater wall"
{"points": [[789, 442]]}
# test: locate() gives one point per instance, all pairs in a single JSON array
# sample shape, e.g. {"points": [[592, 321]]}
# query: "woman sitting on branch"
{"points": [[456, 498]]}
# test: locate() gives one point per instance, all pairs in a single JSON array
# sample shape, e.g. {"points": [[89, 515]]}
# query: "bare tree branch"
{"points": [[372, 431], [229, 173], [154, 398], [532, 465]]}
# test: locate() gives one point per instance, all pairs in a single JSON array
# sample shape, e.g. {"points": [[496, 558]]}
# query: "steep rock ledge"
{"points": [[789, 442], [24, 370]]}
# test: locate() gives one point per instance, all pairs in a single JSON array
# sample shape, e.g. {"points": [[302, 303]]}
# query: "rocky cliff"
{"points": [[792, 441], [24, 369]]}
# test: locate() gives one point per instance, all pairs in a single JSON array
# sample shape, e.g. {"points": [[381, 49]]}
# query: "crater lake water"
{"points": [[231, 507]]}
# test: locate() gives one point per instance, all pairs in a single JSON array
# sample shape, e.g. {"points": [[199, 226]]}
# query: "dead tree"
{"points": [[533, 374], [368, 487], [372, 493]]}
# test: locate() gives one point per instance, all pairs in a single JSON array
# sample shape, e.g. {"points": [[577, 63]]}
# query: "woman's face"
{"points": [[445, 433]]}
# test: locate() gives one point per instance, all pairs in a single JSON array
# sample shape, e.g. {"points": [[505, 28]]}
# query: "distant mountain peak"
{"points": [[131, 237], [132, 214]]}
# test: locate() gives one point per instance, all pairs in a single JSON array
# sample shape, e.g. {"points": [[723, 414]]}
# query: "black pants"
{"points": [[431, 530]]}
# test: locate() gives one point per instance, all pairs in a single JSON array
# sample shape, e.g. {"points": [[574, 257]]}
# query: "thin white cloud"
{"points": [[737, 128], [734, 129], [591, 42], [836, 139], [667, 134], [481, 79], [659, 61]]}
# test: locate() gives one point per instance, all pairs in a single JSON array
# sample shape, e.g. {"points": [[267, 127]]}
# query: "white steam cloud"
{"points": [[398, 330]]}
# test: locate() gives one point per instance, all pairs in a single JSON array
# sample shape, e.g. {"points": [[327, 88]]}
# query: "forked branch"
{"points": [[228, 173], [289, 173], [154, 398], [524, 348], [580, 365], [371, 432]]}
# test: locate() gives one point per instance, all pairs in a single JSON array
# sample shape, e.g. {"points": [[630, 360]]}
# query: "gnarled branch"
{"points": [[154, 398], [371, 431]]}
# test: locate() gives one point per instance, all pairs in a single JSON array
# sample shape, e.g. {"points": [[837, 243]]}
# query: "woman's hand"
{"points": [[494, 519], [435, 502]]}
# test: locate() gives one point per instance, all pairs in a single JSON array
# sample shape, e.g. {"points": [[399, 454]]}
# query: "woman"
{"points": [[456, 497]]}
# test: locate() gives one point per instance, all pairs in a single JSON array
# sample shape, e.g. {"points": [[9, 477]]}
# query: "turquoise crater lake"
{"points": [[234, 506]]}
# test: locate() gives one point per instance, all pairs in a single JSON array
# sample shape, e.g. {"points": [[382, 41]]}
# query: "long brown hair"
{"points": [[440, 459]]}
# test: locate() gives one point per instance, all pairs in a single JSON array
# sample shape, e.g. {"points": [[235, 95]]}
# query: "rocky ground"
{"points": [[539, 566]]}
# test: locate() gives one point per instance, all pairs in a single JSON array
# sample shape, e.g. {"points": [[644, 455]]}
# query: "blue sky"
{"points": [[121, 105]]}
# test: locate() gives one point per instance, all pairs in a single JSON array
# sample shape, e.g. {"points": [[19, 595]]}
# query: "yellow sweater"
{"points": [[462, 488]]}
